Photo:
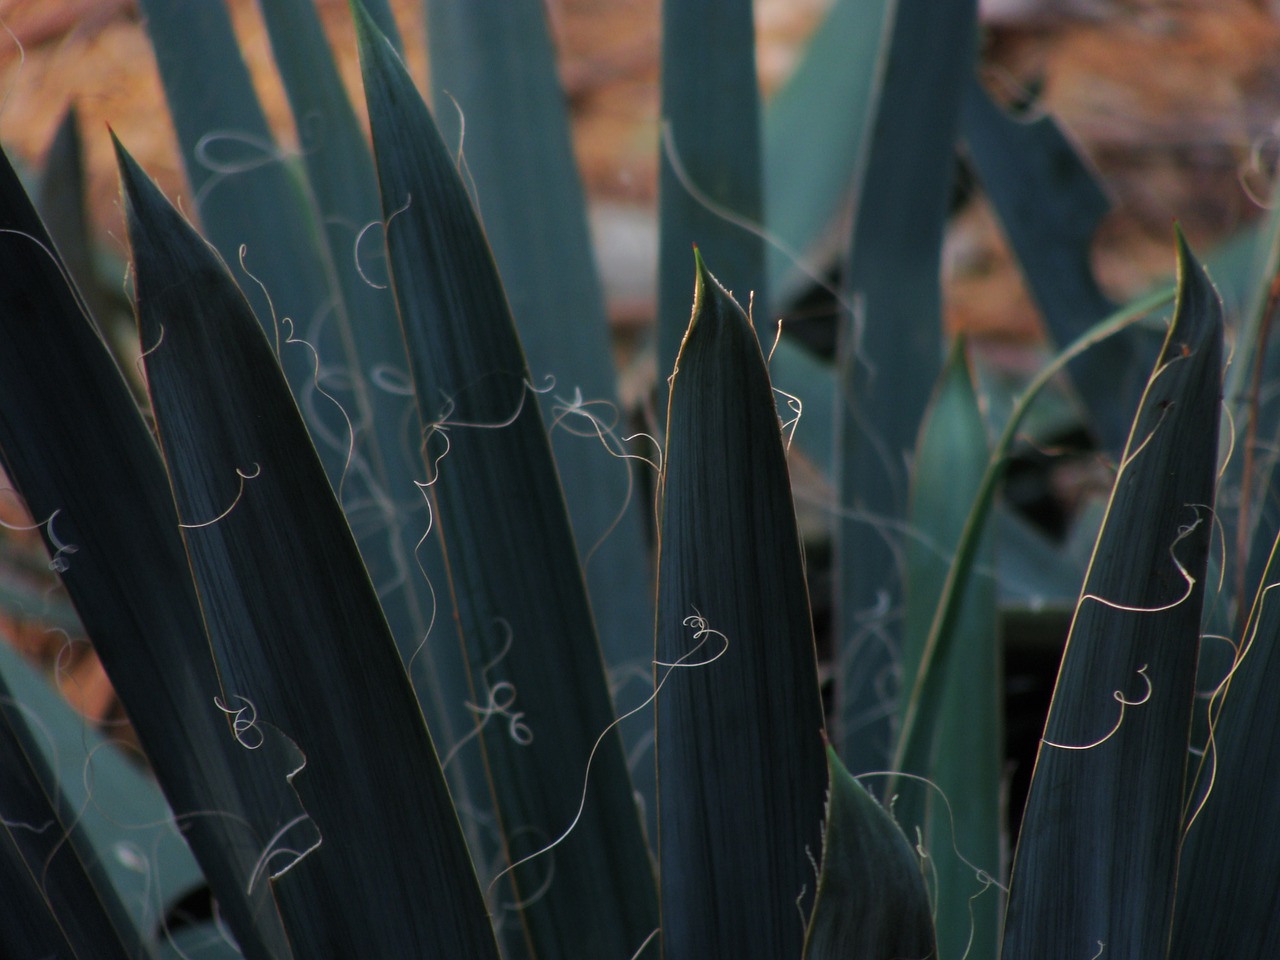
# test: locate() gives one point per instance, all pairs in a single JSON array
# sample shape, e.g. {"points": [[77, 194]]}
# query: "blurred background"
{"points": [[1176, 103]]}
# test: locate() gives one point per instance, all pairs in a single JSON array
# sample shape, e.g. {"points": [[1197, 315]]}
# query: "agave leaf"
{"points": [[62, 899], [826, 106], [921, 704], [894, 355], [309, 671], [245, 193], [1050, 206], [492, 62], [387, 512], [711, 162], [740, 769], [871, 900], [124, 818], [28, 922], [1227, 890], [955, 807], [76, 448], [1098, 850], [522, 613]]}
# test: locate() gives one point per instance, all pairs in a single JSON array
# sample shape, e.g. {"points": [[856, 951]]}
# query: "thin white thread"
{"points": [[984, 878], [523, 903], [1124, 702], [257, 471], [1231, 440], [796, 406], [980, 874], [244, 721], [443, 424], [501, 697], [275, 322], [350, 456], [1184, 531], [777, 337], [58, 562], [1256, 165], [140, 363], [222, 170], [431, 590], [390, 380], [647, 940], [702, 631], [271, 851], [58, 265], [23, 825], [460, 160], [365, 229], [562, 410], [1218, 697]]}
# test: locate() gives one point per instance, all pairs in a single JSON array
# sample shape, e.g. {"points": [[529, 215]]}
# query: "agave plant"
{"points": [[374, 586]]}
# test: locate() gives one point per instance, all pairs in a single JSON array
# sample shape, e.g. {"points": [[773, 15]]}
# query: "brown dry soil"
{"points": [[1175, 103]]}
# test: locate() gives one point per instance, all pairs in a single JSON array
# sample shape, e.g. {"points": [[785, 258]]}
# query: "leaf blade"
{"points": [[732, 598], [522, 611], [1098, 851], [309, 671], [871, 900], [98, 485]]}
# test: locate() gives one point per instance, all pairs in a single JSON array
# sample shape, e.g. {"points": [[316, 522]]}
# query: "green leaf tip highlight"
{"points": [[710, 298]]}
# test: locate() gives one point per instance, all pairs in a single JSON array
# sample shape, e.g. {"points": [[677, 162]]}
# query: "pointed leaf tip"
{"points": [[871, 899]]}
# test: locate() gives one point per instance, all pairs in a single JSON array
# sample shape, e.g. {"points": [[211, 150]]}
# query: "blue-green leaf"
{"points": [[955, 806], [894, 353]]}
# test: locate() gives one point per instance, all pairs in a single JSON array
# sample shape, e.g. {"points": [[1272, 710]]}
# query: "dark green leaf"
{"points": [[740, 767], [1098, 850], [246, 193], [492, 62], [1227, 886], [387, 512], [75, 446], [375, 865], [922, 703], [62, 207], [522, 613], [871, 902]]}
